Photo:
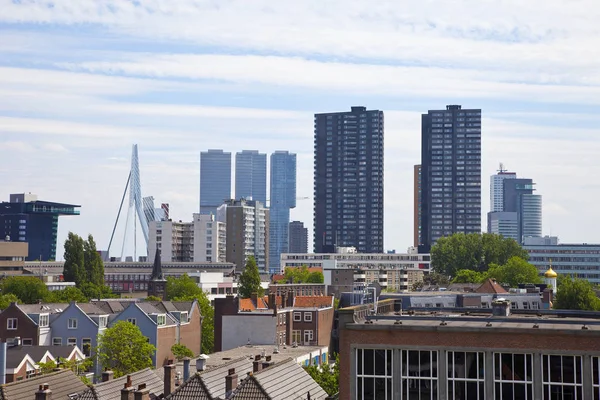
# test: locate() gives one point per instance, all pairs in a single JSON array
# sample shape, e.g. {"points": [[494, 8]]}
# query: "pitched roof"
{"points": [[214, 378], [282, 381], [490, 286], [50, 308], [62, 383], [250, 305], [157, 272], [111, 307], [16, 353], [193, 389], [92, 309], [249, 389], [313, 301], [111, 390]]}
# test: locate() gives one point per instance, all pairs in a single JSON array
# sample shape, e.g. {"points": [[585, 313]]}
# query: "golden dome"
{"points": [[550, 273]]}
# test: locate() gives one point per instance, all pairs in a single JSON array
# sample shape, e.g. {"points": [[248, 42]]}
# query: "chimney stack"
{"points": [[256, 364], [127, 391], [143, 393], [186, 368], [107, 375], [230, 382], [44, 392], [201, 363], [501, 307], [169, 378], [2, 361]]}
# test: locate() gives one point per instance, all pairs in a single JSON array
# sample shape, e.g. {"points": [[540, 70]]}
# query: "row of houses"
{"points": [[164, 323]]}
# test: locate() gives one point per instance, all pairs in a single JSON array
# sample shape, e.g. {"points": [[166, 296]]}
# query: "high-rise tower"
{"points": [[450, 173], [283, 198], [348, 181], [497, 188], [215, 180], [251, 176]]}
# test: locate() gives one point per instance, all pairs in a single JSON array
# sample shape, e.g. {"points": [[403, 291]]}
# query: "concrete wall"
{"points": [[237, 329], [191, 333]]}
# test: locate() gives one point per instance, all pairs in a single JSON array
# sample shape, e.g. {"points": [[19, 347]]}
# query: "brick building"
{"points": [[474, 354]]}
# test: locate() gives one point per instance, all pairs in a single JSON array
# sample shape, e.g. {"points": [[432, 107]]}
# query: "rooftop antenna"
{"points": [[501, 170]]}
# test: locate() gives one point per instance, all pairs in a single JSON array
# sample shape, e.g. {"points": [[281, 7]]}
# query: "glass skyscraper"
{"points": [[251, 176], [450, 173], [283, 198], [215, 180], [348, 203]]}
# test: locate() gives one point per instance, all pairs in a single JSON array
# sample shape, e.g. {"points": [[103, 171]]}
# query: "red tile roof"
{"points": [[313, 301], [250, 305], [490, 286]]}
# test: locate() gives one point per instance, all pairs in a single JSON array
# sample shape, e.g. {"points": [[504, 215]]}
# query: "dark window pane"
{"points": [[578, 369], [369, 368], [380, 388], [595, 370], [359, 389], [359, 361], [369, 389], [380, 362], [389, 390]]}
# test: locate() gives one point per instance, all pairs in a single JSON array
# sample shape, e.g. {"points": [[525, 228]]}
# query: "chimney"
{"points": [[201, 362], [107, 375], [127, 391], [272, 304], [231, 381], [169, 378], [186, 368], [254, 298], [143, 393], [501, 308], [44, 393], [256, 364], [2, 362], [291, 299]]}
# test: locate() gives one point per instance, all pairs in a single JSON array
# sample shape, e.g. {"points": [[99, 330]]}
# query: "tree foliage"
{"points": [[249, 281], [302, 275], [468, 276], [66, 295], [327, 376], [180, 351], [123, 349], [576, 294], [185, 288], [152, 298], [83, 264], [6, 299], [93, 291], [29, 289], [473, 251], [515, 271]]}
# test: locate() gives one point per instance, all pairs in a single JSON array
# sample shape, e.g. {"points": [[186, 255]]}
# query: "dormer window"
{"points": [[44, 320], [102, 322], [161, 319], [183, 317]]}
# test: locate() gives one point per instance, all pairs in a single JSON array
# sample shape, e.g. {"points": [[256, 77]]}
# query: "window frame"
{"points": [[548, 384], [29, 340], [159, 318], [309, 315], [46, 318], [297, 316], [71, 325], [55, 339], [85, 341], [527, 382], [361, 373], [132, 321], [480, 379], [10, 326], [72, 341]]}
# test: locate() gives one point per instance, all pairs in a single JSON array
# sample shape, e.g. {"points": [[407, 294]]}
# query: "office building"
{"points": [[283, 198], [247, 233], [26, 219], [494, 353], [497, 188], [504, 223], [12, 256], [417, 205], [210, 238], [215, 180], [450, 173], [298, 239], [348, 181], [251, 176]]}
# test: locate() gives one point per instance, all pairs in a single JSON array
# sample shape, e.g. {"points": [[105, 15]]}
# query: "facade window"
{"points": [[102, 322], [374, 374], [308, 336], [72, 323], [419, 374], [72, 341], [27, 342], [513, 376], [132, 321], [466, 378], [297, 317], [596, 377], [296, 336], [307, 317], [161, 319], [11, 324], [56, 341], [86, 345], [183, 317], [561, 377]]}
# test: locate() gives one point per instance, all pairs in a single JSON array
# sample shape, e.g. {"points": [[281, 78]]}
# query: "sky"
{"points": [[83, 80]]}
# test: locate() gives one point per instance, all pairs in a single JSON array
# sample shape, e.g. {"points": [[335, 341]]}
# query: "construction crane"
{"points": [[297, 198]]}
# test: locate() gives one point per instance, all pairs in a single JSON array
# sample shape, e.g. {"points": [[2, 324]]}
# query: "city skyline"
{"points": [[82, 84]]}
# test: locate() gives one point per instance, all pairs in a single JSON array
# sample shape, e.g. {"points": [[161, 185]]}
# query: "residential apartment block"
{"points": [[12, 256]]}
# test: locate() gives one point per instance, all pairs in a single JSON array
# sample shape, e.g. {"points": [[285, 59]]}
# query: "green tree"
{"points": [[180, 351], [327, 376], [94, 266], [74, 269], [302, 275], [6, 299], [29, 289], [576, 294], [473, 251], [315, 277], [152, 298], [250, 280], [67, 295], [123, 349], [468, 276], [515, 271], [93, 291], [185, 288], [47, 367], [435, 279]]}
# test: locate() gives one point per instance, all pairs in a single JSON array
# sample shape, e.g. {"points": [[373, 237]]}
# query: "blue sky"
{"points": [[82, 80]]}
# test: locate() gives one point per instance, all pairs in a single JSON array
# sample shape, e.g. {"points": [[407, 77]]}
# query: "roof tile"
{"points": [[313, 301]]}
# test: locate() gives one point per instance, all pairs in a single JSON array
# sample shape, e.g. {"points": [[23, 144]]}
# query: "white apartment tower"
{"points": [[497, 188], [209, 239]]}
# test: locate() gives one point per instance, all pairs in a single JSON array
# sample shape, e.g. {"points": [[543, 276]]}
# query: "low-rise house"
{"points": [[111, 389], [29, 322], [189, 322], [62, 385], [22, 362]]}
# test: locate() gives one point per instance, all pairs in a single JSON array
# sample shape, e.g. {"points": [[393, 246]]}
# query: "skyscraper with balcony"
{"points": [[348, 181], [450, 173], [283, 198], [215, 180], [26, 219], [247, 233], [251, 176]]}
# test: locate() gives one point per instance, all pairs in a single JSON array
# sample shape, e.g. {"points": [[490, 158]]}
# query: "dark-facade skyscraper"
{"points": [[450, 173], [283, 198], [298, 241], [348, 181], [215, 180], [251, 176]]}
